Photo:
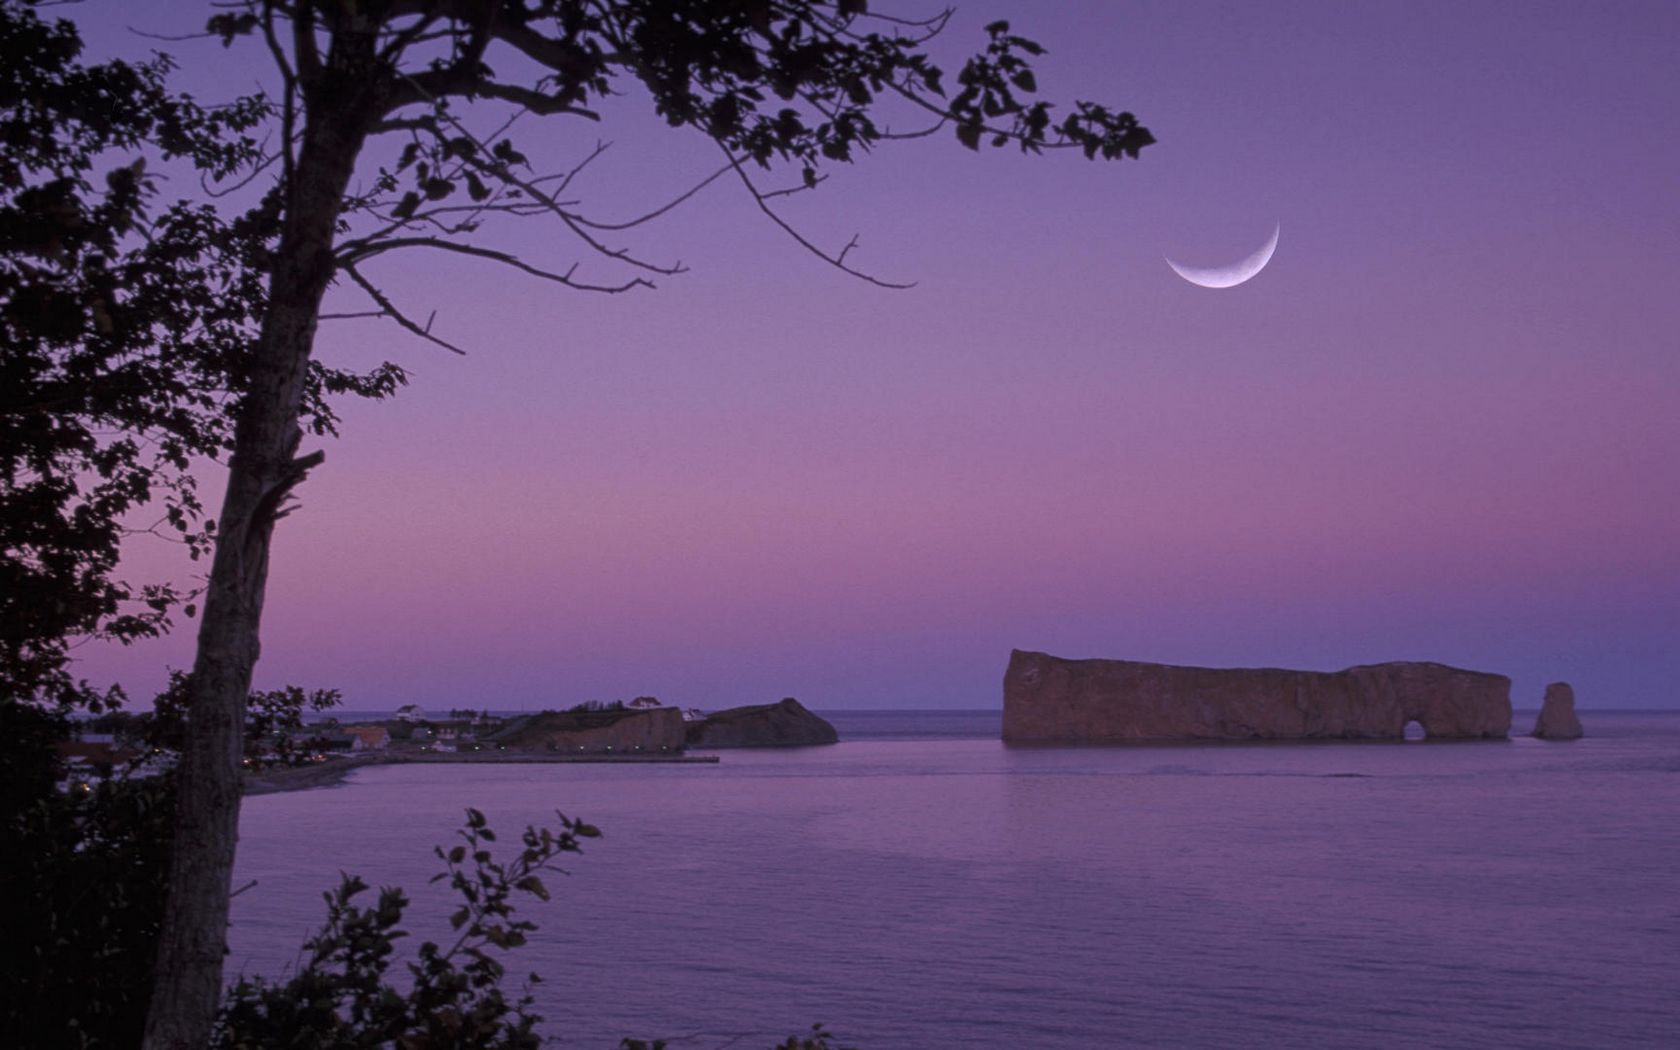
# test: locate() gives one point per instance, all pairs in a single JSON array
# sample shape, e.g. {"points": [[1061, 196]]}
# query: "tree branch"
{"points": [[380, 247], [427, 87], [303, 44], [288, 96], [836, 261], [545, 198], [390, 310]]}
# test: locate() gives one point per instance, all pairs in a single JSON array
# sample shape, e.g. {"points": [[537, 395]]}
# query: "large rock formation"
{"points": [[784, 724], [619, 731], [1557, 719], [1048, 700]]}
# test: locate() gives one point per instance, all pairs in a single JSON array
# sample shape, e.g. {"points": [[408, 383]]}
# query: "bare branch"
{"points": [[402, 124], [566, 177], [928, 27], [657, 212], [390, 310], [170, 38], [904, 136], [788, 191], [836, 261], [218, 192], [456, 79], [572, 222], [390, 244], [535, 101]]}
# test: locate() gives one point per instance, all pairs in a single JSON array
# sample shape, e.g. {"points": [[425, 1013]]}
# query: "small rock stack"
{"points": [[1557, 719]]}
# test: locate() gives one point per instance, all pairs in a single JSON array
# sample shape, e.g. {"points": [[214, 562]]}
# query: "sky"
{"points": [[1442, 424]]}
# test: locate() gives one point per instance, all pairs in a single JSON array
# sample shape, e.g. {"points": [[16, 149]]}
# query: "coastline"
{"points": [[335, 770]]}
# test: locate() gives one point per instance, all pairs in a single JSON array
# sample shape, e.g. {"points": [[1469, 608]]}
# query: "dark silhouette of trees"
{"points": [[123, 327], [126, 327], [87, 865], [777, 85]]}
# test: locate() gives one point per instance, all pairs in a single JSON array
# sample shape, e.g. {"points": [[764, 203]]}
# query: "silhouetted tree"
{"points": [[86, 864], [121, 329], [125, 330], [774, 84]]}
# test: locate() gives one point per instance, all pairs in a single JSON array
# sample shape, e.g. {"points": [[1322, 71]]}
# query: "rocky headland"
{"points": [[1049, 700], [617, 730], [784, 724], [1558, 720]]}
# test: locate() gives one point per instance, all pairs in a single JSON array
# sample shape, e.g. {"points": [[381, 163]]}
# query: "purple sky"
{"points": [[1442, 424]]}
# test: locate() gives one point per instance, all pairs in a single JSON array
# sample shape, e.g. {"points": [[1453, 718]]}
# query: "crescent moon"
{"points": [[1234, 274]]}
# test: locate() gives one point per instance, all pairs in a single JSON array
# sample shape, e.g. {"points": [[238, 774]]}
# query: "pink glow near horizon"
{"points": [[1441, 424]]}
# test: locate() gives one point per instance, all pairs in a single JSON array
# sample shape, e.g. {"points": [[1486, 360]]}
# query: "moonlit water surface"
{"points": [[917, 890]]}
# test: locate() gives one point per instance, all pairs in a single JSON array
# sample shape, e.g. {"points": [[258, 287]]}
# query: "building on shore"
{"points": [[369, 738]]}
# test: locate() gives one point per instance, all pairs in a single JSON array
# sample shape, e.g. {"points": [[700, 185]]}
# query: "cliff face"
{"points": [[659, 729], [1048, 700], [784, 724]]}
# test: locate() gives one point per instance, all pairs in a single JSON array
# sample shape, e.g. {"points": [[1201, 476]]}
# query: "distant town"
{"points": [[294, 752]]}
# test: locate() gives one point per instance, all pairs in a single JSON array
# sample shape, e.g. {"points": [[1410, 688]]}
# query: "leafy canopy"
{"points": [[776, 85], [125, 328]]}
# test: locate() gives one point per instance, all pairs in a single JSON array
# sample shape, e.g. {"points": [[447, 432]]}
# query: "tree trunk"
{"points": [[262, 471]]}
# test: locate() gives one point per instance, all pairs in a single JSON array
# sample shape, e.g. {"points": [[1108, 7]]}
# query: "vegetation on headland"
{"points": [[141, 341]]}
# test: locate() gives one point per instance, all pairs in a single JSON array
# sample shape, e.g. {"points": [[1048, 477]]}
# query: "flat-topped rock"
{"points": [[783, 724], [1049, 700], [1558, 720]]}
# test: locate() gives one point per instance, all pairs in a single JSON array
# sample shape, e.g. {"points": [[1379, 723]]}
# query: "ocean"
{"points": [[920, 885]]}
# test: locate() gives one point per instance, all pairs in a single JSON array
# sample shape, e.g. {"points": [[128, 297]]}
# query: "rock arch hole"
{"points": [[1414, 730]]}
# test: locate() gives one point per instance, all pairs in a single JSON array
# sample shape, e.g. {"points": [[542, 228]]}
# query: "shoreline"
{"points": [[335, 770]]}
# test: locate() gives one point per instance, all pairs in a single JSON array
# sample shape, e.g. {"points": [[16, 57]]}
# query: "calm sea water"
{"points": [[922, 886]]}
